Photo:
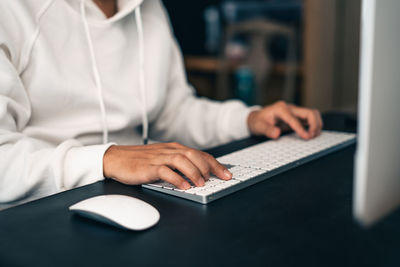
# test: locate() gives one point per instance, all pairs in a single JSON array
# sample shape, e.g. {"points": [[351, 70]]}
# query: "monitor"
{"points": [[377, 161]]}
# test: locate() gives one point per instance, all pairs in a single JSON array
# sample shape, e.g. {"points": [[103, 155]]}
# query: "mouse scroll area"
{"points": [[118, 210]]}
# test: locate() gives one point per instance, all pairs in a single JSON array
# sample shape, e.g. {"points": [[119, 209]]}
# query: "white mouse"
{"points": [[118, 210]]}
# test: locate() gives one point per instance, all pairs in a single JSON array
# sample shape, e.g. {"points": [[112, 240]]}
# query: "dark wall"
{"points": [[188, 23]]}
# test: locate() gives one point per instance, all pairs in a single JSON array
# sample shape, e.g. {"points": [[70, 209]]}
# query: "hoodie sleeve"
{"points": [[193, 121], [30, 167]]}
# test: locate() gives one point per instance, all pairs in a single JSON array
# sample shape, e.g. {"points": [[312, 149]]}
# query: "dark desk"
{"points": [[302, 217]]}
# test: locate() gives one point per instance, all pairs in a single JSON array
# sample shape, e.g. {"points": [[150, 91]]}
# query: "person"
{"points": [[79, 80]]}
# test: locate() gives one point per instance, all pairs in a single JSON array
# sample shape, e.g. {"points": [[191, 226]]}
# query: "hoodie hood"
{"points": [[95, 15], [125, 8]]}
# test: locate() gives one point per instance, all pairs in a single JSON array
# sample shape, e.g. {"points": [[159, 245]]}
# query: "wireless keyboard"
{"points": [[259, 162]]}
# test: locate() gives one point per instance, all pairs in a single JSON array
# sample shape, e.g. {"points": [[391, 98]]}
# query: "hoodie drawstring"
{"points": [[142, 84], [96, 74], [97, 79]]}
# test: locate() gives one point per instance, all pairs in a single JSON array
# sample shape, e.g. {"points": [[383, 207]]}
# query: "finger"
{"points": [[310, 116], [185, 166], [317, 116], [195, 156], [198, 159], [265, 128], [272, 131], [168, 175], [217, 168], [158, 158], [285, 115]]}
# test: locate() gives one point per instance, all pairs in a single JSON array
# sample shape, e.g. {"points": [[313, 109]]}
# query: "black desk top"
{"points": [[302, 217]]}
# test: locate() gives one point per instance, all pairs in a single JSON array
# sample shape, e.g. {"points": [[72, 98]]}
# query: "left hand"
{"points": [[266, 120]]}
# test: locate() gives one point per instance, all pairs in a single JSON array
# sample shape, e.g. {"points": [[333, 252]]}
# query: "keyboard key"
{"points": [[193, 190], [169, 186], [232, 182], [212, 189], [179, 190], [223, 185], [213, 181], [156, 184]]}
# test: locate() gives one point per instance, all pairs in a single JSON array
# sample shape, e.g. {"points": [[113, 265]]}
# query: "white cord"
{"points": [[142, 84], [96, 75]]}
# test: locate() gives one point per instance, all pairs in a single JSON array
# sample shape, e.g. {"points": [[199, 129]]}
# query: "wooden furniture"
{"points": [[203, 71], [331, 48]]}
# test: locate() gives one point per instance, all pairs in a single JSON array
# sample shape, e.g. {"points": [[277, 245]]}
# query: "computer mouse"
{"points": [[118, 210]]}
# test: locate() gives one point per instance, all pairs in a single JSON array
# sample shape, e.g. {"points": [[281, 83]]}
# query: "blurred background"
{"points": [[302, 51]]}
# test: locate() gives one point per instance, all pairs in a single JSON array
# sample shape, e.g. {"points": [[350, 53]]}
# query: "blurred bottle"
{"points": [[245, 89], [213, 29]]}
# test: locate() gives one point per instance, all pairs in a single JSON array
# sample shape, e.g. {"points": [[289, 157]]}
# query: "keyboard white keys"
{"points": [[213, 184], [276, 153], [258, 162]]}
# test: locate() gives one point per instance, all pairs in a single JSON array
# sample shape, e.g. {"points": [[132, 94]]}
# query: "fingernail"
{"points": [[227, 174], [201, 182], [185, 185]]}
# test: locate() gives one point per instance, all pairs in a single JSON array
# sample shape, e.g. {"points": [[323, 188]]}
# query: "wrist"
{"points": [[252, 117], [107, 161]]}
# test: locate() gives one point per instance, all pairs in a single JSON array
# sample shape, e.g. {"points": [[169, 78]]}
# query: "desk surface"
{"points": [[302, 217]]}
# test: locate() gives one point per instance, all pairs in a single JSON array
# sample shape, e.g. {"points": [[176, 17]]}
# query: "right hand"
{"points": [[148, 163]]}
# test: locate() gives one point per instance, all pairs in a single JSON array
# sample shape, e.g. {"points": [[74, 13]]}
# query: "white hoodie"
{"points": [[71, 85]]}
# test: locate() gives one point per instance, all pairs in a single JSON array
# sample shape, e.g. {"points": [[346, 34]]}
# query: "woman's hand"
{"points": [[149, 163], [266, 120]]}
